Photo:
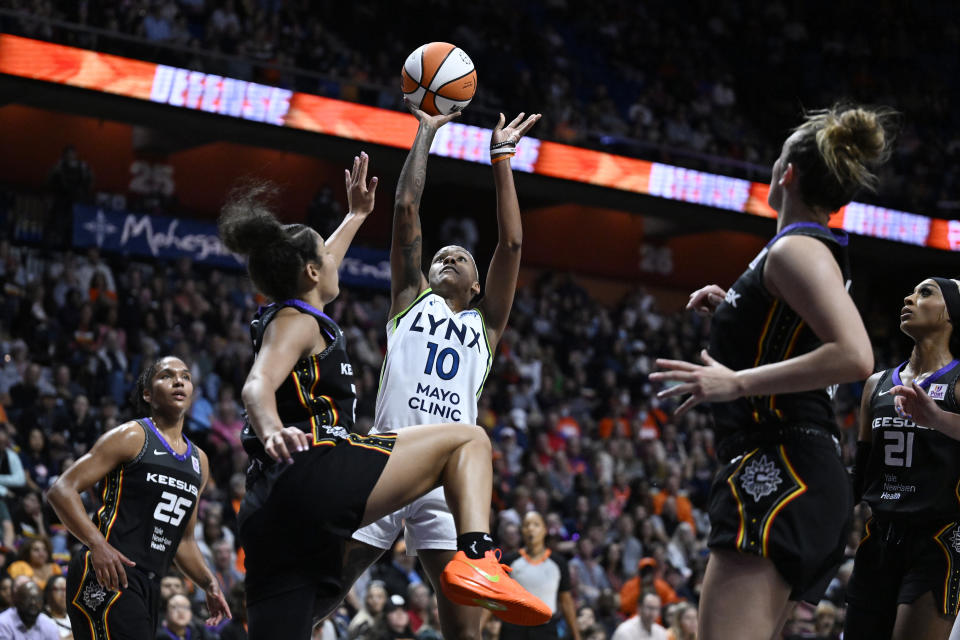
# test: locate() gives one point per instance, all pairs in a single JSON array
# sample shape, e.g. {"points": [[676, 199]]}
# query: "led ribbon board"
{"points": [[234, 98]]}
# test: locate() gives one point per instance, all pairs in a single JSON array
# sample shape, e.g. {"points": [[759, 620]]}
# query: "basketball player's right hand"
{"points": [[108, 566], [360, 194], [706, 300], [434, 122], [281, 445]]}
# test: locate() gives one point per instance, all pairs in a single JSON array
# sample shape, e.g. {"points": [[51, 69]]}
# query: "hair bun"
{"points": [[853, 141], [246, 223]]}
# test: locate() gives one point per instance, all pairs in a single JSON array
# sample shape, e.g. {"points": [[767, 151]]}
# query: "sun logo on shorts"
{"points": [[955, 540], [760, 478], [94, 595]]}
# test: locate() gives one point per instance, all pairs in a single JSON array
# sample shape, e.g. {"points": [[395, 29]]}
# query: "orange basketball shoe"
{"points": [[485, 583]]}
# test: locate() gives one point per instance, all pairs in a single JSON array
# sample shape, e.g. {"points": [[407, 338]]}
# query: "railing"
{"points": [[266, 72]]}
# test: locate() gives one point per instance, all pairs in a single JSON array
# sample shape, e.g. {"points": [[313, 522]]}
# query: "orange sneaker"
{"points": [[485, 583]]}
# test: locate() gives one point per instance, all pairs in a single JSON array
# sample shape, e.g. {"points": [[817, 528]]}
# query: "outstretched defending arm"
{"points": [[505, 264], [406, 274], [360, 197]]}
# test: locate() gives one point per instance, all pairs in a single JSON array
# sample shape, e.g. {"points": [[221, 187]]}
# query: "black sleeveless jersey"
{"points": [[751, 327], [319, 396], [147, 502], [913, 471]]}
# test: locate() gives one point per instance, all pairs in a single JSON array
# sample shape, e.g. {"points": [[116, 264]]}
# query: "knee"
{"points": [[478, 435]]}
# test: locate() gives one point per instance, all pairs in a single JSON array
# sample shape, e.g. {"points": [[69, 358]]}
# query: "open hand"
{"points": [[515, 130], [360, 195], [711, 382], [427, 120]]}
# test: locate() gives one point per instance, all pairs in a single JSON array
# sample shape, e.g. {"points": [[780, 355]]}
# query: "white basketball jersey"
{"points": [[435, 367]]}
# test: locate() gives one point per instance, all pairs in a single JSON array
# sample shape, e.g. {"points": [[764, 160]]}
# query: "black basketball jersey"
{"points": [[319, 396], [147, 502], [913, 471], [751, 328]]}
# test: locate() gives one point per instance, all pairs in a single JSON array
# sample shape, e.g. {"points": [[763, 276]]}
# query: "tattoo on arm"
{"points": [[413, 176], [407, 238]]}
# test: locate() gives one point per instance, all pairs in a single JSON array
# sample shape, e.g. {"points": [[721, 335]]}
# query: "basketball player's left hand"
{"points": [[360, 195], [710, 382], [912, 402], [513, 131], [217, 606]]}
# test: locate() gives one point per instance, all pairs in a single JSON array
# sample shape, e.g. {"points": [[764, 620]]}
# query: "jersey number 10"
{"points": [[447, 362], [898, 449]]}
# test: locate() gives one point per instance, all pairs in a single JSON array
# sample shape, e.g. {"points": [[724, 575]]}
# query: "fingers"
{"points": [[276, 448], [364, 162], [674, 365], [678, 390], [901, 390], [374, 181], [707, 359], [412, 109], [515, 121], [526, 126], [688, 404], [452, 116], [500, 122], [107, 577], [673, 376], [125, 560]]}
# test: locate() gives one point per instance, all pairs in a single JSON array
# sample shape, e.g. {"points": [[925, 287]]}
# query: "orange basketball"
{"points": [[439, 78]]}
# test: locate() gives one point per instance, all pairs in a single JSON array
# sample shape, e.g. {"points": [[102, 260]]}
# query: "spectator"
{"points": [[643, 625], [400, 572], [684, 626], [70, 179], [178, 622], [372, 612], [418, 595], [25, 620], [34, 560], [586, 573], [646, 579], [55, 599], [223, 567], [12, 476], [170, 585], [6, 592], [826, 617], [29, 519], [395, 624], [35, 458]]}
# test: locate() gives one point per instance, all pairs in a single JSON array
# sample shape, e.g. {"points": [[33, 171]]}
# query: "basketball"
{"points": [[439, 78]]}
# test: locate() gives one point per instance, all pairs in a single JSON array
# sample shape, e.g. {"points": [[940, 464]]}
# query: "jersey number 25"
{"points": [[172, 508]]}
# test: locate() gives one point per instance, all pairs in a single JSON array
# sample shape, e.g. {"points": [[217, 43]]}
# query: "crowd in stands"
{"points": [[701, 84], [578, 433]]}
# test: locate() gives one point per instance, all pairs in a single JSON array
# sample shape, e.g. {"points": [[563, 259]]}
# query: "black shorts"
{"points": [[897, 563], [100, 614], [540, 632], [295, 518], [789, 501]]}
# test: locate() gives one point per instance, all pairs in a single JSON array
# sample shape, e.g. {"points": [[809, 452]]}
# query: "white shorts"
{"points": [[427, 524]]}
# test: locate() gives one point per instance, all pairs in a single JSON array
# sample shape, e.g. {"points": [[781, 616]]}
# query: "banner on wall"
{"points": [[194, 90], [167, 238]]}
